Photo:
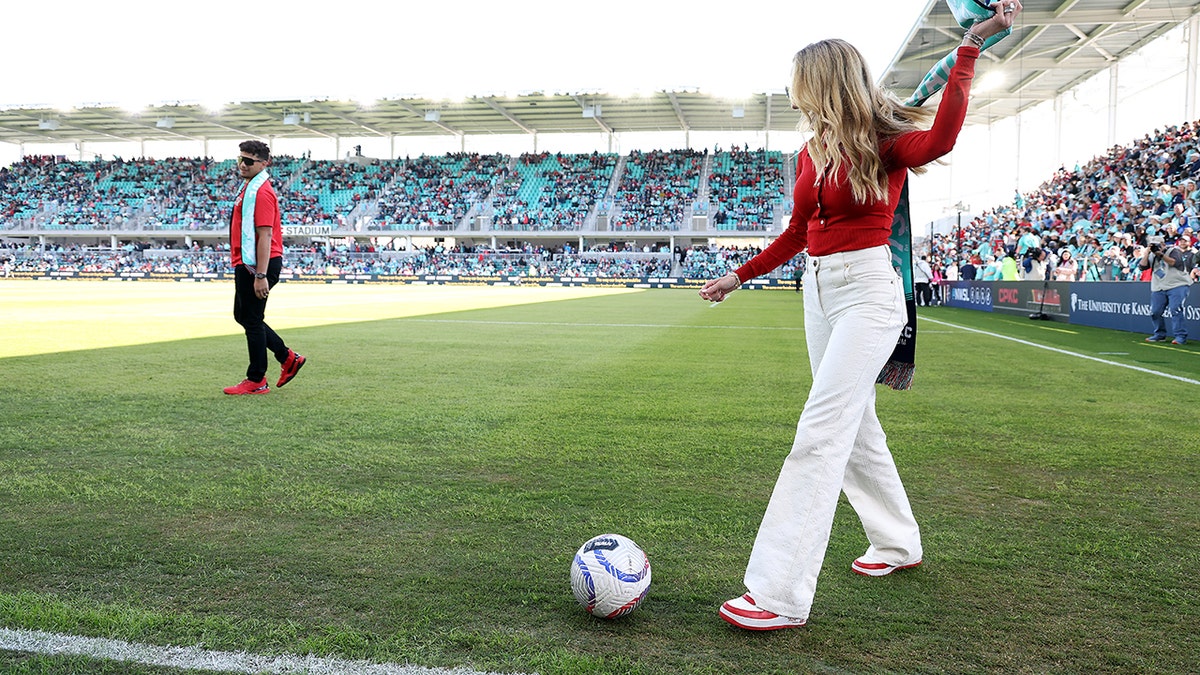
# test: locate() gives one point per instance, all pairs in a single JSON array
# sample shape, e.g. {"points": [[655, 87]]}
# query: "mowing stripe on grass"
{"points": [[195, 658], [798, 328], [1064, 351]]}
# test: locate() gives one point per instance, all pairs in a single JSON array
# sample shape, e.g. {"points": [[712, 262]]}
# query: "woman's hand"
{"points": [[718, 289], [1002, 20]]}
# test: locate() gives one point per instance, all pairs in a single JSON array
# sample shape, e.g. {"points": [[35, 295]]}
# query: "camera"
{"points": [[1154, 243]]}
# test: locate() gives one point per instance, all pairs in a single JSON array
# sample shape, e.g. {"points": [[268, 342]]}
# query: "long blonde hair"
{"points": [[848, 114]]}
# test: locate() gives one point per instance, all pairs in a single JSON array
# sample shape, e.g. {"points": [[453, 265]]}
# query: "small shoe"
{"points": [[878, 569], [249, 387], [1155, 338], [1177, 341], [743, 613], [291, 365]]}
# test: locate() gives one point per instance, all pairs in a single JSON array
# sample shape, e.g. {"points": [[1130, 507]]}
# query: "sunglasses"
{"points": [[249, 161]]}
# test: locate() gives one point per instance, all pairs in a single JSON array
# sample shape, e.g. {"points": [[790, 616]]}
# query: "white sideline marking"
{"points": [[195, 658], [598, 325], [1064, 351]]}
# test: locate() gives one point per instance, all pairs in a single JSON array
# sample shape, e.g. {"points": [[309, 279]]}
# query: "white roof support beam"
{"points": [[491, 103]]}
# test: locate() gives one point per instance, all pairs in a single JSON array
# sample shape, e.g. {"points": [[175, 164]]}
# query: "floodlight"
{"points": [[48, 124], [739, 112], [994, 79], [433, 115], [292, 119], [165, 123]]}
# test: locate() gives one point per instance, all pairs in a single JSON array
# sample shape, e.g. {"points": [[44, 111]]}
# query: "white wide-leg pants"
{"points": [[853, 314]]}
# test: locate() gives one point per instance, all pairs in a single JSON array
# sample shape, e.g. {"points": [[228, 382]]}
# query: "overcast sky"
{"points": [[132, 52]]}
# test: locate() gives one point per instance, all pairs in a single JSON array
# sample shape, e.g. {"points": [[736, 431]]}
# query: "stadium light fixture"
{"points": [[433, 115], [291, 119], [165, 123], [593, 111], [991, 81], [49, 124], [739, 111]]}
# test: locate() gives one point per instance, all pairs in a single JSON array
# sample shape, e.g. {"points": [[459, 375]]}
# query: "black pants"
{"points": [[923, 292], [249, 310]]}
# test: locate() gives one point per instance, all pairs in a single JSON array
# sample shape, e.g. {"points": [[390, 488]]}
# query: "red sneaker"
{"points": [[743, 613], [291, 365], [249, 387], [878, 569]]}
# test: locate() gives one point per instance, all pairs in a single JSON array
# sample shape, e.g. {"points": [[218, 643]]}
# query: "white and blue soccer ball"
{"points": [[610, 575]]}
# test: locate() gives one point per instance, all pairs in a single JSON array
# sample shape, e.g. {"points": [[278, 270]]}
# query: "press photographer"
{"points": [[1169, 285]]}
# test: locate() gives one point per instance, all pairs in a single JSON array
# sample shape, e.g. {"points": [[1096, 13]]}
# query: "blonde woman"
{"points": [[849, 178]]}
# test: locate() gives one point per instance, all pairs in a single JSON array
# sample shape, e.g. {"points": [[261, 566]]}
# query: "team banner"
{"points": [[969, 295], [1122, 305], [1031, 297]]}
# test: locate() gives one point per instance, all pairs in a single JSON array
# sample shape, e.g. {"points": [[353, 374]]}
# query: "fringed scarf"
{"points": [[897, 373]]}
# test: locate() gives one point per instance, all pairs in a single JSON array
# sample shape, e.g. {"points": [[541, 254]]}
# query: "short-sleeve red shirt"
{"points": [[266, 214]]}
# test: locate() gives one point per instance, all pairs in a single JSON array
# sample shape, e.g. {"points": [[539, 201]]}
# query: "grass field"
{"points": [[416, 494]]}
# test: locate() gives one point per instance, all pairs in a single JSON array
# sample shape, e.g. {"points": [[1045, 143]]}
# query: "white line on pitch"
{"points": [[195, 658], [601, 325], [1064, 351]]}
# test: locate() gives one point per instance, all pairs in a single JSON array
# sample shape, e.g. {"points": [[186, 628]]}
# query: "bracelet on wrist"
{"points": [[973, 39], [735, 276]]}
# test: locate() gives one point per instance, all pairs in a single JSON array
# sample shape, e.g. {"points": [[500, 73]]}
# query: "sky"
{"points": [[132, 53], [129, 51]]}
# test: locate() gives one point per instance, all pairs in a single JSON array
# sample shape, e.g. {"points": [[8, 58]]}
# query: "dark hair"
{"points": [[257, 148]]}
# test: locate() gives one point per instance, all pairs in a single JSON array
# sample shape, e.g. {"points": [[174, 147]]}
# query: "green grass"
{"points": [[417, 493]]}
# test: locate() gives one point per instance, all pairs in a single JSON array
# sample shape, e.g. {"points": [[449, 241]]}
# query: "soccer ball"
{"points": [[610, 575]]}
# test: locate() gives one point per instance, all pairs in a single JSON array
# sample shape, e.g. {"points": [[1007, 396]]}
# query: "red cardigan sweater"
{"points": [[826, 219]]}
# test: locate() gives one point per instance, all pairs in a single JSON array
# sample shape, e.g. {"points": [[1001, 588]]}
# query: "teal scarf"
{"points": [[898, 372], [249, 240], [967, 13]]}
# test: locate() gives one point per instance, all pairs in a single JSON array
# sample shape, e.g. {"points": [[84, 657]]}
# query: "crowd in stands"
{"points": [[1090, 223], [742, 190], [747, 186], [655, 189], [611, 260], [550, 192], [436, 193], [41, 185]]}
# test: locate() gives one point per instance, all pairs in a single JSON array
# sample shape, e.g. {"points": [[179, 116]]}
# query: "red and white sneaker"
{"points": [[743, 613], [878, 569], [291, 365], [248, 387]]}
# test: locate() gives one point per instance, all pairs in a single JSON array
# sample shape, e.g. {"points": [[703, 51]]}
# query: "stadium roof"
{"points": [[1058, 44]]}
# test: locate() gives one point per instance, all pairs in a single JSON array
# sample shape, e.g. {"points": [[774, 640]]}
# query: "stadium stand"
{"points": [[436, 193], [550, 192], [747, 187], [1101, 212], [657, 189]]}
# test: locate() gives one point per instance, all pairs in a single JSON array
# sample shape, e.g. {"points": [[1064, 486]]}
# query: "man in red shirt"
{"points": [[256, 244]]}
